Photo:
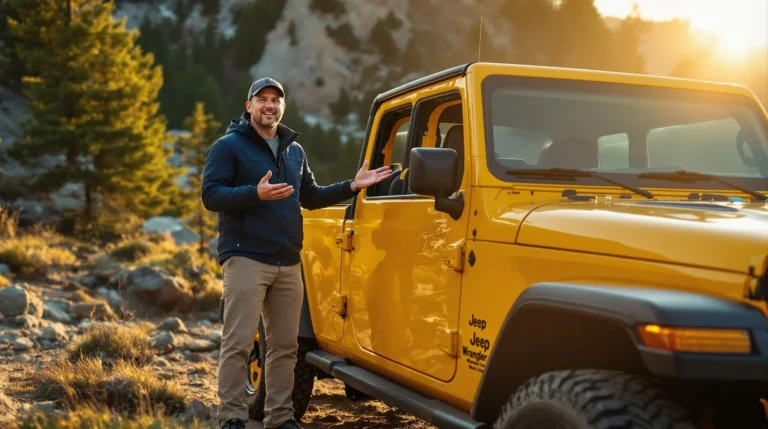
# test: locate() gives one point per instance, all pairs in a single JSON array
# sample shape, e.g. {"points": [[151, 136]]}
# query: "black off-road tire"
{"points": [[303, 380], [591, 399]]}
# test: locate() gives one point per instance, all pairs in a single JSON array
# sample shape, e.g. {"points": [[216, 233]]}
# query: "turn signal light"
{"points": [[695, 340]]}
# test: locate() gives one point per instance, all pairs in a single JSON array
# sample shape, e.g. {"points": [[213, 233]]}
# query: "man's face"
{"points": [[266, 108]]}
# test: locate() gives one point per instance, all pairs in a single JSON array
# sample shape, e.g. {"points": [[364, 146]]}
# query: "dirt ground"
{"points": [[329, 407]]}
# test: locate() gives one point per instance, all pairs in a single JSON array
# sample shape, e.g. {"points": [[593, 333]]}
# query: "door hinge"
{"points": [[448, 341], [455, 257], [344, 240], [339, 304]]}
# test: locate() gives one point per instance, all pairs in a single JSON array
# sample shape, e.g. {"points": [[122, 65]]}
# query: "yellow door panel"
{"points": [[321, 258], [404, 285]]}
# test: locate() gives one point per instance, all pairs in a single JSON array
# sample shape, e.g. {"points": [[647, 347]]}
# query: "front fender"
{"points": [[555, 326]]}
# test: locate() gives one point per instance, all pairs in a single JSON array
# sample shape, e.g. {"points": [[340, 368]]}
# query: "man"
{"points": [[257, 178]]}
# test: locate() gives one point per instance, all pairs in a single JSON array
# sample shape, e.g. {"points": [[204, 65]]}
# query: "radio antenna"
{"points": [[480, 39]]}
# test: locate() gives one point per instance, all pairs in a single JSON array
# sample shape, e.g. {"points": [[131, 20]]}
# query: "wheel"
{"points": [[255, 385], [591, 399], [255, 382]]}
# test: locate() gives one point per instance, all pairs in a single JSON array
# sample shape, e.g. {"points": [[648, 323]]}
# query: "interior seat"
{"points": [[454, 139]]}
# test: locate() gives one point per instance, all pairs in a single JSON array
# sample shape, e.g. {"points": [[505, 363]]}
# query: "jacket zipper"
{"points": [[280, 210], [277, 159]]}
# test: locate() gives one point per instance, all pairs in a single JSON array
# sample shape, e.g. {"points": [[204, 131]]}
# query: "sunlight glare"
{"points": [[738, 25]]}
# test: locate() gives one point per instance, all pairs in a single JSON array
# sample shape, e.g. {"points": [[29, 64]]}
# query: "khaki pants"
{"points": [[250, 289]]}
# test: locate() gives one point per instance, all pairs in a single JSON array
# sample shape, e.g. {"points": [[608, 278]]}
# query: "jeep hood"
{"points": [[710, 235]]}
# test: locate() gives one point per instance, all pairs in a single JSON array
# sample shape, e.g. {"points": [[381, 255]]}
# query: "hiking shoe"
{"points": [[233, 424], [288, 424]]}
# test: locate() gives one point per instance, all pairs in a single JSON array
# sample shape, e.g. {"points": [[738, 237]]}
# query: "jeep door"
{"points": [[405, 278]]}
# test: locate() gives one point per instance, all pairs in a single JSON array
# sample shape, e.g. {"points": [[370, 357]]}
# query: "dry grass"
{"points": [[7, 406], [110, 228], [132, 250], [200, 368], [9, 222], [123, 388], [115, 343], [3, 282], [100, 418], [208, 291], [81, 296], [182, 261], [32, 255]]}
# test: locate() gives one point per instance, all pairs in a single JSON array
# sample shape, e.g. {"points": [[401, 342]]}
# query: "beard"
{"points": [[268, 118]]}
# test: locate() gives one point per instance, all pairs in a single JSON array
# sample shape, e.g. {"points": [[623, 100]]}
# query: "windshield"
{"points": [[623, 130]]}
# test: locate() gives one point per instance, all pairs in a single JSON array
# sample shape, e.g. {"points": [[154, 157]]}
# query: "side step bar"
{"points": [[437, 413]]}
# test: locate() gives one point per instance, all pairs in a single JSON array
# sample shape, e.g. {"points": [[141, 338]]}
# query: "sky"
{"points": [[739, 24]]}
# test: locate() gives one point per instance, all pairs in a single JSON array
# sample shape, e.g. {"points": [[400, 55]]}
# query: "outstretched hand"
{"points": [[268, 191], [366, 178]]}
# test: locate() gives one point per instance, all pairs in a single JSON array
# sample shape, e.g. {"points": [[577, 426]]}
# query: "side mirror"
{"points": [[433, 172]]}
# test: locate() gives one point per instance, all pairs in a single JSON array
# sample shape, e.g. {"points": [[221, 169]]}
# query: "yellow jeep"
{"points": [[556, 248]]}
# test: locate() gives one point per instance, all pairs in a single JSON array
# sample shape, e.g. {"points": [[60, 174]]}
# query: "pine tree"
{"points": [[204, 130], [250, 40], [11, 67], [382, 41], [92, 96], [342, 107]]}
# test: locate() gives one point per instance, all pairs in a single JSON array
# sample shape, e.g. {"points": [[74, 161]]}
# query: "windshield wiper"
{"points": [[692, 176], [572, 173]]}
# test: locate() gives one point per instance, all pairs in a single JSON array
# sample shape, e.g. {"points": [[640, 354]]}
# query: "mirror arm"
{"points": [[453, 206]]}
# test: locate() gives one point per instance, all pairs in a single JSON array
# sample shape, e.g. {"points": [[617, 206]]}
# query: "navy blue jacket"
{"points": [[267, 231]]}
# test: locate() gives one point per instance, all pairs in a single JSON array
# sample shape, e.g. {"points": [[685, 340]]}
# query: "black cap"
{"points": [[262, 83]]}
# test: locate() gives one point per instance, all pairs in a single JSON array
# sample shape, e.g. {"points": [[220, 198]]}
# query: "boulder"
{"points": [[54, 332], [168, 224], [195, 358], [196, 410], [216, 337], [16, 301], [173, 324], [57, 310], [26, 321], [4, 269], [87, 280], [146, 288], [10, 336], [96, 310], [201, 346], [110, 295], [71, 196], [30, 212], [163, 343], [22, 344]]}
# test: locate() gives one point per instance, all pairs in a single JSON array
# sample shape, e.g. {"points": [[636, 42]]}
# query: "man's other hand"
{"points": [[366, 178], [268, 191]]}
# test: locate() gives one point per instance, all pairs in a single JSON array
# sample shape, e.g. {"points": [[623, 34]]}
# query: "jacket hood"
{"points": [[242, 126], [724, 237]]}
